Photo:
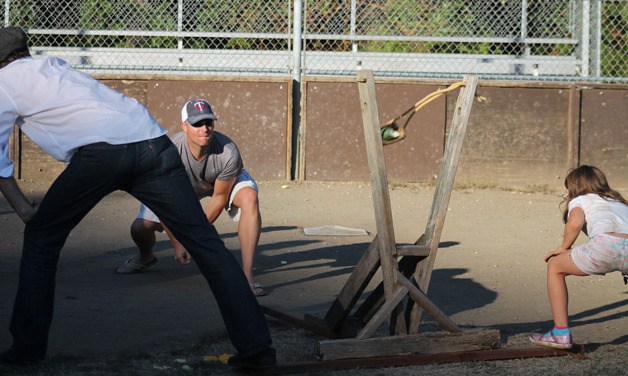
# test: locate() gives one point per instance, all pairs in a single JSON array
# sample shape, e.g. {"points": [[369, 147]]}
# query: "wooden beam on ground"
{"points": [[413, 360], [425, 343]]}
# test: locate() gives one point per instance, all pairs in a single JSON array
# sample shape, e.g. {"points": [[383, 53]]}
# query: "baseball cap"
{"points": [[11, 39], [196, 110]]}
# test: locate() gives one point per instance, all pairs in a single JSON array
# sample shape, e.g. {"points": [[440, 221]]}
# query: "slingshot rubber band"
{"points": [[413, 110]]}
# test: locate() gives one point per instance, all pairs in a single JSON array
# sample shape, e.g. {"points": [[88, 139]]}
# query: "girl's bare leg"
{"points": [[558, 268]]}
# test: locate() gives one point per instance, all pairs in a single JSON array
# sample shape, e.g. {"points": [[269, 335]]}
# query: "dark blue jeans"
{"points": [[152, 172]]}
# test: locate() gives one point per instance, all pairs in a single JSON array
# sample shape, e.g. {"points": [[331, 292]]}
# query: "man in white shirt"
{"points": [[110, 142]]}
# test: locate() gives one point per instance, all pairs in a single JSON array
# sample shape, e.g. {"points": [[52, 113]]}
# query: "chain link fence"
{"points": [[539, 40]]}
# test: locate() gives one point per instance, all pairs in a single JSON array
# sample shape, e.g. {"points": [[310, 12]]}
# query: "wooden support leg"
{"points": [[444, 187], [374, 301], [391, 304], [421, 299], [353, 288]]}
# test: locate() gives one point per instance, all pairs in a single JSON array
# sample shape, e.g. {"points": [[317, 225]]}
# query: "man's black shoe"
{"points": [[11, 357], [262, 360]]}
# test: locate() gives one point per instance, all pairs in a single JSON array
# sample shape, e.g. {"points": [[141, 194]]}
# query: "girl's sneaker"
{"points": [[549, 339]]}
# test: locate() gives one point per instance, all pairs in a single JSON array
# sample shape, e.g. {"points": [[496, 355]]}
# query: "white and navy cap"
{"points": [[196, 110]]}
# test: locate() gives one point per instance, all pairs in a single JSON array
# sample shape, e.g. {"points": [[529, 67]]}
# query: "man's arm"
{"points": [[180, 253], [219, 199], [222, 189], [14, 195]]}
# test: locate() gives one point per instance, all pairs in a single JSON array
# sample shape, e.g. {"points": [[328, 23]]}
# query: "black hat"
{"points": [[12, 39], [196, 110]]}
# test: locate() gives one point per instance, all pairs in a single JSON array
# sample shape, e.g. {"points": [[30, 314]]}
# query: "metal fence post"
{"points": [[7, 4], [295, 170], [354, 43], [586, 35], [598, 39], [180, 24], [524, 26]]}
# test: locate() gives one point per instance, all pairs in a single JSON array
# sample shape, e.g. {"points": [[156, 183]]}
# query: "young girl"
{"points": [[602, 214]]}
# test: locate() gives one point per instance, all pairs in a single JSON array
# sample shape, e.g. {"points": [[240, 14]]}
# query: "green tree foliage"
{"points": [[248, 20], [614, 39]]}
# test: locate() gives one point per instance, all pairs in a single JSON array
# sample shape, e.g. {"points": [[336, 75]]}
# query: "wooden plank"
{"points": [[389, 306], [414, 359], [354, 287], [371, 304], [422, 300], [425, 343], [413, 250], [314, 326], [379, 180], [446, 176], [379, 185], [407, 265]]}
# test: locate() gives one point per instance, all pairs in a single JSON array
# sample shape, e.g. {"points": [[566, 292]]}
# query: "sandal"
{"points": [[133, 265], [256, 289], [551, 340]]}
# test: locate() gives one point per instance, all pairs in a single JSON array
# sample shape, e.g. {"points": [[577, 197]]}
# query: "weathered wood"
{"points": [[407, 265], [444, 186], [399, 279], [354, 287], [314, 326], [425, 343], [413, 250], [414, 359], [390, 305], [379, 185], [422, 300], [371, 304]]}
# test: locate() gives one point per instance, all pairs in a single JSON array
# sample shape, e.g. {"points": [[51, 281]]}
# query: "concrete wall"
{"points": [[519, 134]]}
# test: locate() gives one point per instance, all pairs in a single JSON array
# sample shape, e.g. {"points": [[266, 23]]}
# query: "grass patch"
{"points": [[529, 188]]}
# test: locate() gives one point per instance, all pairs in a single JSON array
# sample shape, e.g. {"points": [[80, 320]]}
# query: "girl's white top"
{"points": [[602, 215], [61, 109]]}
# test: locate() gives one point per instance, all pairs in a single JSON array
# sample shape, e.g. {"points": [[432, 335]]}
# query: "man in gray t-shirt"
{"points": [[213, 164]]}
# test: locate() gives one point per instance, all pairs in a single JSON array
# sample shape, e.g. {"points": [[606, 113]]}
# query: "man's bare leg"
{"points": [[143, 234], [249, 228]]}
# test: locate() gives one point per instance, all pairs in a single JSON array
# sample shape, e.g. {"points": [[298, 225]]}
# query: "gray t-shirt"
{"points": [[222, 162]]}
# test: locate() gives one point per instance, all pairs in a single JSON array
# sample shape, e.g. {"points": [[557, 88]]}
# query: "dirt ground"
{"points": [[489, 272]]}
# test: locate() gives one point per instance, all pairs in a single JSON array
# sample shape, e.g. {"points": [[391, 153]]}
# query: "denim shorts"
{"points": [[602, 254]]}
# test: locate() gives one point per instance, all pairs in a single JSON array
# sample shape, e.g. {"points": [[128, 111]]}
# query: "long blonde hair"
{"points": [[588, 179]]}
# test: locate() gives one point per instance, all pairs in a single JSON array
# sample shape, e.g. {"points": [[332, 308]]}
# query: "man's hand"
{"points": [[181, 255], [29, 214], [16, 198]]}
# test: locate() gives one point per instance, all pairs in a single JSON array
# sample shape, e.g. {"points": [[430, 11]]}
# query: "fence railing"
{"points": [[539, 40]]}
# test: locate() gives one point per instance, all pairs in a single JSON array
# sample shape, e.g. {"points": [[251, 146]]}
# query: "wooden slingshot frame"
{"points": [[408, 278], [401, 296]]}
